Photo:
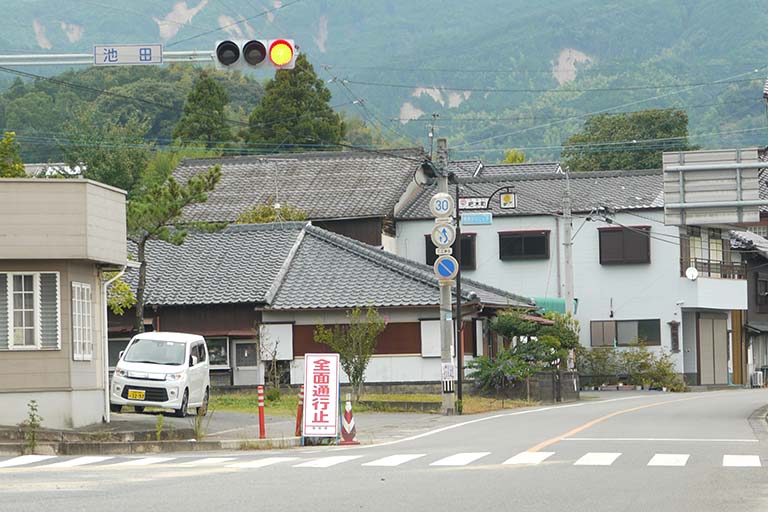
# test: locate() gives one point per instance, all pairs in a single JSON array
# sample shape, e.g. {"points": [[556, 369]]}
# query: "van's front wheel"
{"points": [[180, 413]]}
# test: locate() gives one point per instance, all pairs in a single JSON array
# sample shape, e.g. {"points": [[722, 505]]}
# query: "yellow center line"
{"points": [[594, 422]]}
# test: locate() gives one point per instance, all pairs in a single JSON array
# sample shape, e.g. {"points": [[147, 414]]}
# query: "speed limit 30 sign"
{"points": [[441, 205]]}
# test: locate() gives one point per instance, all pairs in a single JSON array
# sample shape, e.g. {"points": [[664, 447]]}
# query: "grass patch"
{"points": [[248, 402], [401, 398], [479, 404], [285, 406]]}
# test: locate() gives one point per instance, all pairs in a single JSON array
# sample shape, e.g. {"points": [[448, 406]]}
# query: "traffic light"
{"points": [[256, 53]]}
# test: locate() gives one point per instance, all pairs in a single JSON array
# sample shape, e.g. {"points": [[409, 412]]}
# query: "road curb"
{"points": [[143, 447]]}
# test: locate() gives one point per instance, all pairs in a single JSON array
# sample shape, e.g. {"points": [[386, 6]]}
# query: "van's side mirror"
{"points": [[120, 355], [193, 360]]}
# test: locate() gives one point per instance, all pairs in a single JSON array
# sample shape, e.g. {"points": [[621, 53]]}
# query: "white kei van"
{"points": [[162, 369]]}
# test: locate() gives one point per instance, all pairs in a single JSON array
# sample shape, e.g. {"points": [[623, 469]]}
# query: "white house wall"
{"points": [[383, 368], [652, 290], [422, 367]]}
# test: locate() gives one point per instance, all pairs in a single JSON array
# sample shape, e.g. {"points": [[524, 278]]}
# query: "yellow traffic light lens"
{"points": [[280, 52]]}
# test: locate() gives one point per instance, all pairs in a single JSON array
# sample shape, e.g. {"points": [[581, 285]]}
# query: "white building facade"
{"points": [[628, 267]]}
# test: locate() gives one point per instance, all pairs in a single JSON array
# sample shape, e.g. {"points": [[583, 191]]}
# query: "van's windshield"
{"points": [[156, 352]]}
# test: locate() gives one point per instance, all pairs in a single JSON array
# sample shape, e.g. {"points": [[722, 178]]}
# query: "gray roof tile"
{"points": [[326, 185], [332, 271], [541, 193], [293, 266], [229, 266]]}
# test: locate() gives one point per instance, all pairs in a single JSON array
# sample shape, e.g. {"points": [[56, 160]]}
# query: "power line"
{"points": [[548, 90], [588, 114], [460, 119], [520, 70]]}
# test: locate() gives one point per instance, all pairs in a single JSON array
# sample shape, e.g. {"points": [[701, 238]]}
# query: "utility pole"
{"points": [[568, 256], [459, 323], [448, 369], [568, 245]]}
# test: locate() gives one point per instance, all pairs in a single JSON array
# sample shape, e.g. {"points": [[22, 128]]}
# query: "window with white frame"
{"points": [[82, 322], [29, 311], [23, 324]]}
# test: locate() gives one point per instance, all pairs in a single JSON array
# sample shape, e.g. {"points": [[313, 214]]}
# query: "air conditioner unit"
{"points": [[757, 380]]}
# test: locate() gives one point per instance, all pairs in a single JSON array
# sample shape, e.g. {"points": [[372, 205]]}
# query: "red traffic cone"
{"points": [[348, 431]]}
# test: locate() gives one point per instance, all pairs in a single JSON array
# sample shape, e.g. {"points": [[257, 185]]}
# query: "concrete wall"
{"points": [[652, 290], [62, 219], [68, 391], [59, 409]]}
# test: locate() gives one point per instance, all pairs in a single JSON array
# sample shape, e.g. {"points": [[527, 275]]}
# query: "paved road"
{"points": [[647, 452]]}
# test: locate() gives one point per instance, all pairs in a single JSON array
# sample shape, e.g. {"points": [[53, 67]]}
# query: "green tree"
{"points": [[359, 133], [154, 213], [354, 342], [566, 330], [513, 156], [204, 117], [270, 212], [633, 140], [10, 159], [295, 110], [110, 152], [120, 297]]}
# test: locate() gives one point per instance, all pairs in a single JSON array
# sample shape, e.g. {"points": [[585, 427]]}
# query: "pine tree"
{"points": [[204, 118], [295, 110]]}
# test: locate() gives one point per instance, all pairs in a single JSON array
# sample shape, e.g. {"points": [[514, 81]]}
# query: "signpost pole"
{"points": [[449, 399]]}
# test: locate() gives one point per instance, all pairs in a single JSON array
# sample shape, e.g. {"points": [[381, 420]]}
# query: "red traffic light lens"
{"points": [[280, 52], [227, 53], [254, 52]]}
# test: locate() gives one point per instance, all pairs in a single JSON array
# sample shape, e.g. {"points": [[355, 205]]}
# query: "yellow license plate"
{"points": [[135, 394]]}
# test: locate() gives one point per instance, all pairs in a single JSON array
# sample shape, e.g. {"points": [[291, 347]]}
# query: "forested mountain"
{"points": [[500, 73]]}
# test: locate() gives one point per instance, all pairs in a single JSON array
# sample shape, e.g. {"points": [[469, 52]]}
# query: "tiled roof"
{"points": [[465, 168], [325, 185], [749, 241], [541, 193], [332, 271], [294, 266], [477, 169], [229, 266], [489, 171]]}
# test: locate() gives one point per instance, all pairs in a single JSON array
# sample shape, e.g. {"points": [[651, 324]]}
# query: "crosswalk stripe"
{"points": [[669, 459], [529, 458], [23, 460], [208, 461], [80, 461], [261, 462], [460, 459], [741, 461], [327, 462], [597, 459], [146, 461], [395, 460]]}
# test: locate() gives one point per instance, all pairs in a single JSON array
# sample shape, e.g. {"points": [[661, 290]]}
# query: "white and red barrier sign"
{"points": [[321, 395]]}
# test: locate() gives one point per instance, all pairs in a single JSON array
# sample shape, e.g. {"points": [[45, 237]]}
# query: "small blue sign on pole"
{"points": [[476, 219]]}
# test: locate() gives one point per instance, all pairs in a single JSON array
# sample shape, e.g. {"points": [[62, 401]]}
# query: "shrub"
{"points": [[273, 395]]}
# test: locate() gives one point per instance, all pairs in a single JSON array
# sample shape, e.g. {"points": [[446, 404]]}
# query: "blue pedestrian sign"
{"points": [[446, 267]]}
